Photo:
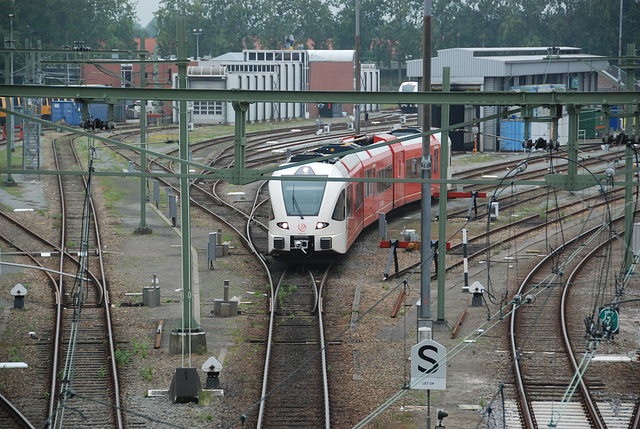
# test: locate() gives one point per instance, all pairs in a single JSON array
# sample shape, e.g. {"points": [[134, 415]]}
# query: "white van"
{"points": [[137, 105]]}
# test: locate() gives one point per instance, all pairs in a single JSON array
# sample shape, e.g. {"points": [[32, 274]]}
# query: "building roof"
{"points": [[337, 56], [229, 56], [472, 65]]}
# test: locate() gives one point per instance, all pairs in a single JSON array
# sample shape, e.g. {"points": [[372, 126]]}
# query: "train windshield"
{"points": [[302, 198]]}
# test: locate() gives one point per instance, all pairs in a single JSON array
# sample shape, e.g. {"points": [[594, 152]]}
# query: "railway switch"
{"points": [[18, 292], [212, 367]]}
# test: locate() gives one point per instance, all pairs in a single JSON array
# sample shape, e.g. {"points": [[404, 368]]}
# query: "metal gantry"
{"points": [[556, 102]]}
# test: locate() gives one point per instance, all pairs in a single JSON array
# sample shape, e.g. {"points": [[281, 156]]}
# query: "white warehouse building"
{"points": [[278, 70], [507, 69]]}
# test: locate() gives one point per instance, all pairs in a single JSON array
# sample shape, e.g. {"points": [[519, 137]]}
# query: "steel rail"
{"points": [[15, 414], [526, 411], [317, 306], [106, 303], [99, 284], [592, 408]]}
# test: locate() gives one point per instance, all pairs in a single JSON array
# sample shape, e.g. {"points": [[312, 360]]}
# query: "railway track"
{"points": [[295, 386], [550, 381], [523, 226], [85, 361]]}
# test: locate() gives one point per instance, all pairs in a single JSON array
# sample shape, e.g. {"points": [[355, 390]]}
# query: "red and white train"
{"points": [[325, 217]]}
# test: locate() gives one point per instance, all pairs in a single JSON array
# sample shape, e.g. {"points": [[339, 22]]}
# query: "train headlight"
{"points": [[283, 225], [322, 225]]}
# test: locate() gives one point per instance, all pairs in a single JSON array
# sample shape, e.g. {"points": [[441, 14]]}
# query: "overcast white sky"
{"points": [[145, 10]]}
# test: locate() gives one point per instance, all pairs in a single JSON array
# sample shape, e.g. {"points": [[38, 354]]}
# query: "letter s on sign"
{"points": [[424, 356]]}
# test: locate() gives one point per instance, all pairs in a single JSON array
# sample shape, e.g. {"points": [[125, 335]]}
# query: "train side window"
{"points": [[339, 210], [359, 197], [350, 199], [374, 185], [384, 173], [368, 190]]}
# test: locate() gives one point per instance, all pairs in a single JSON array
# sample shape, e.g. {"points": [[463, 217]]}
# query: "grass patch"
{"points": [[14, 355], [111, 191], [122, 357], [140, 349], [146, 373]]}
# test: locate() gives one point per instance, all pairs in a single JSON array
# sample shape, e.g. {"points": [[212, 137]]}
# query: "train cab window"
{"points": [[358, 199], [339, 210], [302, 198]]}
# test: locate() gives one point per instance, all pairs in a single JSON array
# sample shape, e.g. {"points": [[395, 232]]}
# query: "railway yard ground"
{"points": [[377, 345]]}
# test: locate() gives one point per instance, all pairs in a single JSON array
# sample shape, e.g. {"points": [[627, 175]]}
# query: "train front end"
{"points": [[308, 217]]}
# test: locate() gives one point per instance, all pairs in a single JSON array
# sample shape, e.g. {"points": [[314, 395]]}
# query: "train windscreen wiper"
{"points": [[295, 203]]}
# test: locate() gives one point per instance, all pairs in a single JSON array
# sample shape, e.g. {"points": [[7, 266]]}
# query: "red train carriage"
{"points": [[320, 216]]}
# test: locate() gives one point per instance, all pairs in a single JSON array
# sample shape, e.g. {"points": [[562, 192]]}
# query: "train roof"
{"points": [[317, 169]]}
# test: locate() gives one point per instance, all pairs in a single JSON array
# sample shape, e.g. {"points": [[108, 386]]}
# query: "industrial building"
{"points": [[508, 69], [279, 70]]}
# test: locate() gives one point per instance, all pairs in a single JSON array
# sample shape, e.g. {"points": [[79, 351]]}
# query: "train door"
{"points": [[355, 212], [398, 173], [412, 190]]}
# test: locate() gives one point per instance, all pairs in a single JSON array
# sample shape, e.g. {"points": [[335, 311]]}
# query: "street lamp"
{"points": [[197, 32]]}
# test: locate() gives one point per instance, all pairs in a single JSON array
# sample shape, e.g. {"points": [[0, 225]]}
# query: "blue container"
{"points": [[99, 111], [512, 135], [66, 112]]}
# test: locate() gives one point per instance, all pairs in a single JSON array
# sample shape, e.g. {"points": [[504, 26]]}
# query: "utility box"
{"points": [[225, 307], [151, 296], [222, 250], [222, 308]]}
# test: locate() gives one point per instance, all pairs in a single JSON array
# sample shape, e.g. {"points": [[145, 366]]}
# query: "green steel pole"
{"points": [[240, 139], [442, 204], [572, 144], [8, 80], [425, 315], [142, 227], [188, 321], [628, 153]]}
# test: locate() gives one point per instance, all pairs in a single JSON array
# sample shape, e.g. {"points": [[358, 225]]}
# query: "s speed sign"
{"points": [[428, 366]]}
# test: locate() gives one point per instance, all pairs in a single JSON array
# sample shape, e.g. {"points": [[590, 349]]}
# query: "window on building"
{"points": [[207, 108]]}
